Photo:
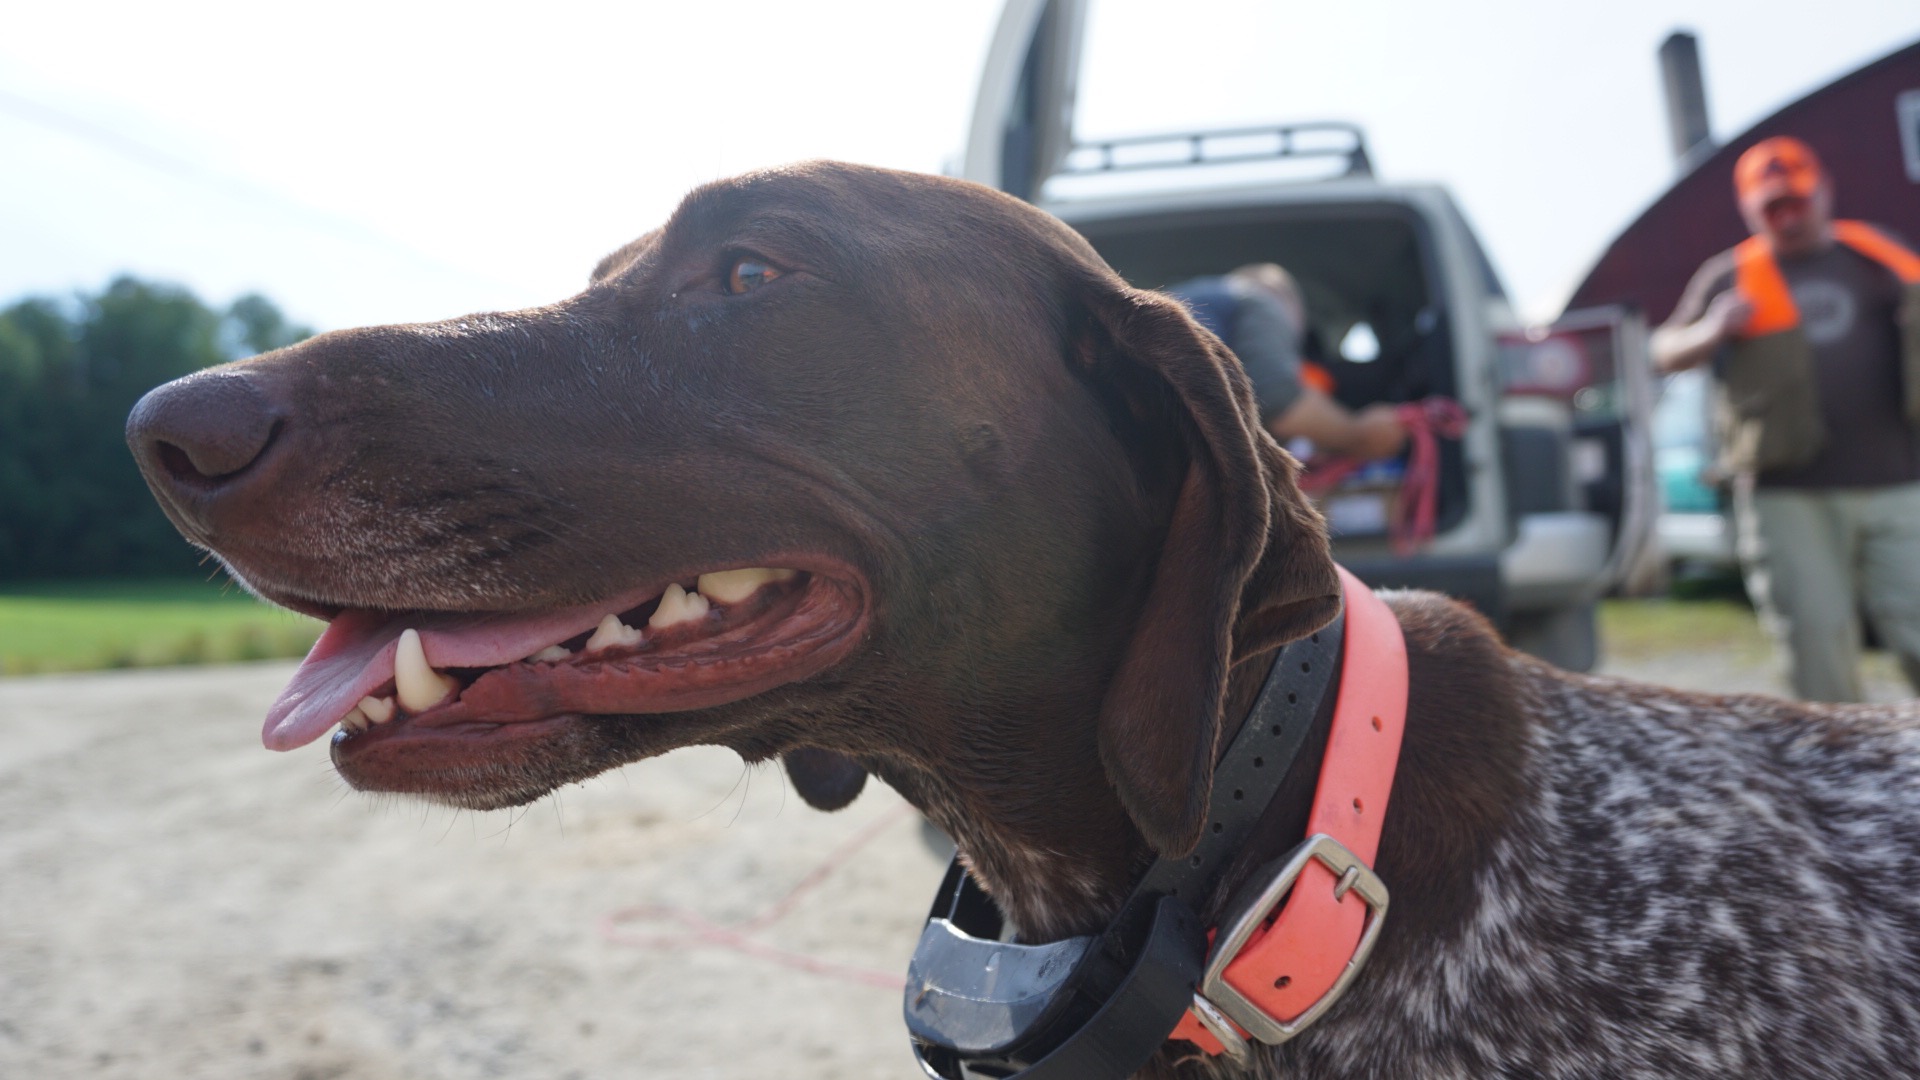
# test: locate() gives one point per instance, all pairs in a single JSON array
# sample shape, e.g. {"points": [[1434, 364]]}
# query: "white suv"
{"points": [[1547, 502]]}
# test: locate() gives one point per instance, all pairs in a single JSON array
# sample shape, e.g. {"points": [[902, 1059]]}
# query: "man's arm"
{"points": [[1710, 314], [1677, 347], [1372, 432]]}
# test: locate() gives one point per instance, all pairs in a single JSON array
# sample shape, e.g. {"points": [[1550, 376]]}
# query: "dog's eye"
{"points": [[749, 274]]}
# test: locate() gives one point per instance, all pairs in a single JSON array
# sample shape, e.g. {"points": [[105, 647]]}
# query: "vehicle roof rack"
{"points": [[1224, 146]]}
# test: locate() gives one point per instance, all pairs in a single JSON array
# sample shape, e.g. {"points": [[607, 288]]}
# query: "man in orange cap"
{"points": [[1812, 326]]}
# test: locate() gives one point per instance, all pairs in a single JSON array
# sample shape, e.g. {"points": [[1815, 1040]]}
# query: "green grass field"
{"points": [[89, 625], [1634, 629]]}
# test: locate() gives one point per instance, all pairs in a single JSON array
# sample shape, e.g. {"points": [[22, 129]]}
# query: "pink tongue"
{"points": [[354, 657]]}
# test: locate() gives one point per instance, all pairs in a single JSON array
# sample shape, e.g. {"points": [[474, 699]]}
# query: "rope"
{"points": [[1426, 422], [736, 937]]}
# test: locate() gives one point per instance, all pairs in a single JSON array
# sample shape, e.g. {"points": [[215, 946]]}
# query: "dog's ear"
{"points": [[826, 780], [1244, 566]]}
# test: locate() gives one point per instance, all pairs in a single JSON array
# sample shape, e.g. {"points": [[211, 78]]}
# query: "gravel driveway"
{"points": [[181, 903]]}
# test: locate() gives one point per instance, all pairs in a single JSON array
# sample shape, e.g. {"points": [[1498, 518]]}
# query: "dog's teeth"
{"points": [[419, 686], [733, 586], [377, 709], [355, 720], [610, 633], [677, 605], [552, 653]]}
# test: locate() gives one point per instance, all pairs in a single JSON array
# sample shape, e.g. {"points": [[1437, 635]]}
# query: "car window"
{"points": [[1680, 419]]}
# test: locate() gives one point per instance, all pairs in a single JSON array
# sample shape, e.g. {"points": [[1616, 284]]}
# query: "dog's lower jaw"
{"points": [[550, 754], [491, 767]]}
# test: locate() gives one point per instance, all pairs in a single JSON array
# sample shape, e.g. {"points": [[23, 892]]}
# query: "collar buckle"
{"points": [[1222, 1000]]}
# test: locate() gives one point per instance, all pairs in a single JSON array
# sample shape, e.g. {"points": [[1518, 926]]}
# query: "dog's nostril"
{"points": [[178, 464], [203, 429], [209, 464]]}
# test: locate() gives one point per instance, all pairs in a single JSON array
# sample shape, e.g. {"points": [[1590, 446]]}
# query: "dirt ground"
{"points": [[179, 903]]}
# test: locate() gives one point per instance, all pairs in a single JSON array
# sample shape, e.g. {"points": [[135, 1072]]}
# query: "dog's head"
{"points": [[839, 458]]}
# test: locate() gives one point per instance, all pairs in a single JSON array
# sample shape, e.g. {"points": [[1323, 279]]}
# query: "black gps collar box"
{"points": [[1100, 1005]]}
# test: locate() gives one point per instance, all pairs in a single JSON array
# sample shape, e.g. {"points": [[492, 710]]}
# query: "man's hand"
{"points": [[1372, 432], [1377, 432], [1727, 316]]}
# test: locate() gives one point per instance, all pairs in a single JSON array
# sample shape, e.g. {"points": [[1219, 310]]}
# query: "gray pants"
{"points": [[1814, 558]]}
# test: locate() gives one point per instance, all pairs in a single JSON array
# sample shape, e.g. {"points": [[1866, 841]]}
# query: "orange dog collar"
{"points": [[1101, 1005], [1270, 975]]}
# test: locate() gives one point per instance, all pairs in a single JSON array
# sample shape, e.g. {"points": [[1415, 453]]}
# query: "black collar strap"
{"points": [[1099, 1006]]}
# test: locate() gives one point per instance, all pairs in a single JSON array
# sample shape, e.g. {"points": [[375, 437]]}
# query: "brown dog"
{"points": [[894, 468]]}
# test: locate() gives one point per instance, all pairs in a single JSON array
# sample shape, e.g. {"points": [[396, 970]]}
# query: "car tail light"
{"points": [[1545, 363]]}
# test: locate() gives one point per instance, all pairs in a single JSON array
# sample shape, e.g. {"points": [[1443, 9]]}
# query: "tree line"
{"points": [[72, 503]]}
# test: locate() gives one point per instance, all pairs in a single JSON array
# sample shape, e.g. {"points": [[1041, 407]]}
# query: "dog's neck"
{"points": [[1060, 855], [1056, 874], [1052, 845]]}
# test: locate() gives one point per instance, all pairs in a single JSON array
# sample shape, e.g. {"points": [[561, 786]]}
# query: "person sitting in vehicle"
{"points": [[1259, 312]]}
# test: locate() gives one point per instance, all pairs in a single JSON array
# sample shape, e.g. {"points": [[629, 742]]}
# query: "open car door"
{"points": [[1594, 361], [1022, 123]]}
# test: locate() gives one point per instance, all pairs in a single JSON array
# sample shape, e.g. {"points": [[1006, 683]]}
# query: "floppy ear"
{"points": [[1244, 567], [826, 780]]}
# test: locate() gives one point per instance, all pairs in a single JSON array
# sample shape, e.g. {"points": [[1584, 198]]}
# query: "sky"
{"points": [[363, 162]]}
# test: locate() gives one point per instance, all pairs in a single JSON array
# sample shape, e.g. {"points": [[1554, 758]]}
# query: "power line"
{"points": [[329, 224]]}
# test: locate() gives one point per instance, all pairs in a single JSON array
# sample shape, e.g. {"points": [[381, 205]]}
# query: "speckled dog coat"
{"points": [[1679, 885]]}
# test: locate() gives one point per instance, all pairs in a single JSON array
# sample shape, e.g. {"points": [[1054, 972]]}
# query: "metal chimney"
{"points": [[1687, 124]]}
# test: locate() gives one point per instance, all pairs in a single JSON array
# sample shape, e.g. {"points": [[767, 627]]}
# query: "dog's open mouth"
{"points": [[711, 639]]}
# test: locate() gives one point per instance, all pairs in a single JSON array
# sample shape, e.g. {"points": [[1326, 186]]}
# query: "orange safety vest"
{"points": [[1757, 276], [1768, 411], [1316, 376]]}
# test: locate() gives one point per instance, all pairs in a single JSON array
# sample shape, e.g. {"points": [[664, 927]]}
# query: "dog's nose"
{"points": [[200, 437]]}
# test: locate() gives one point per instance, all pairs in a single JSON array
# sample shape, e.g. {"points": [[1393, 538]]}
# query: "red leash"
{"points": [[1426, 422], [697, 928]]}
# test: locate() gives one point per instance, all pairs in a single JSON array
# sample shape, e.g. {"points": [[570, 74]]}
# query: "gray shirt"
{"points": [[1259, 332]]}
